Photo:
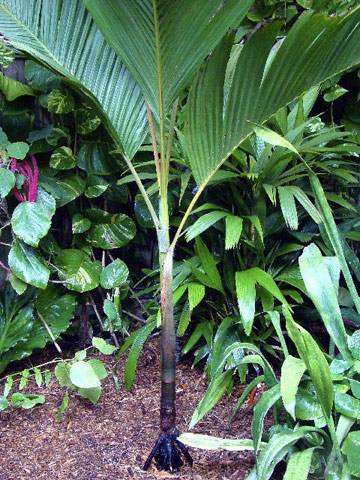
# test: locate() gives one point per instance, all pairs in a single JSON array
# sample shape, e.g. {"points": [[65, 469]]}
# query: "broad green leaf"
{"points": [[351, 450], [291, 372], [102, 346], [196, 293], [139, 33], [116, 233], [217, 387], [315, 362], [332, 232], [84, 58], [64, 187], [95, 186], [80, 224], [347, 405], [86, 121], [40, 78], [98, 368], [246, 295], [18, 285], [93, 394], [324, 295], [94, 158], [12, 89], [263, 81], [31, 221], [18, 150], [114, 275], [267, 400], [26, 400], [206, 442], [354, 344], [299, 465], [233, 229], [26, 264], [63, 159], [7, 181], [83, 375], [60, 102], [79, 272]]}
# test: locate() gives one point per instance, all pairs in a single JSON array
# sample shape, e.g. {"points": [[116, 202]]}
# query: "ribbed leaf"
{"points": [[163, 42], [324, 295], [233, 229], [288, 207], [316, 48], [62, 35]]}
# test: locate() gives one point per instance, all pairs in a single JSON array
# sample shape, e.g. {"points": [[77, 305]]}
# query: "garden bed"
{"points": [[113, 438]]}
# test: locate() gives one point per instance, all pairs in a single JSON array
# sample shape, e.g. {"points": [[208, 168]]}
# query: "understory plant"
{"points": [[316, 401], [134, 59]]}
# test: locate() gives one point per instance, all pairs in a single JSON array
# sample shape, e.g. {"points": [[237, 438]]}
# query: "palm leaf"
{"points": [[62, 35], [163, 42], [262, 82]]}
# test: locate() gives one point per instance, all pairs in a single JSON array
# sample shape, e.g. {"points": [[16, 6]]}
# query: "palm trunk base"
{"points": [[168, 452]]}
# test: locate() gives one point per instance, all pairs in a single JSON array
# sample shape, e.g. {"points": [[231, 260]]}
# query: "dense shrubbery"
{"points": [[256, 281]]}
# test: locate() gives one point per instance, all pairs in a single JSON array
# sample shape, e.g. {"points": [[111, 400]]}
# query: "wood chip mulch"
{"points": [[111, 440]]}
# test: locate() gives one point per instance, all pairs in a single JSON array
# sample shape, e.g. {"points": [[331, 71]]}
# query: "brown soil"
{"points": [[111, 440]]}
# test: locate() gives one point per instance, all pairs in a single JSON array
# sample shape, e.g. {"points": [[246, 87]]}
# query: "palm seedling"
{"points": [[133, 58]]}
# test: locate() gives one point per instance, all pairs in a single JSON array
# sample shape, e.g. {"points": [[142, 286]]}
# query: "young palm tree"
{"points": [[133, 58]]}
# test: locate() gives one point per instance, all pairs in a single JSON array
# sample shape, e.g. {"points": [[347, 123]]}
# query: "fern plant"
{"points": [[134, 58]]}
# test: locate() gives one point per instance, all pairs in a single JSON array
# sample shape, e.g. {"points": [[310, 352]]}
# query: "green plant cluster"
{"points": [[262, 285]]}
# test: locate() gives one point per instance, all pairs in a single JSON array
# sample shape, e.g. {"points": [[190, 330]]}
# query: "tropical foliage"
{"points": [[192, 131]]}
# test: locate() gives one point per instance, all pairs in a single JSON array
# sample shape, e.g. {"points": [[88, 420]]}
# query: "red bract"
{"points": [[31, 179]]}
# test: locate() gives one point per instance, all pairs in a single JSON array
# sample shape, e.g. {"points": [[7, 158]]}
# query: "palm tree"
{"points": [[132, 59]]}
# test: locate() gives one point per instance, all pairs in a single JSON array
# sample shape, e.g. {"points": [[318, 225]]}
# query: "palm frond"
{"points": [[62, 35]]}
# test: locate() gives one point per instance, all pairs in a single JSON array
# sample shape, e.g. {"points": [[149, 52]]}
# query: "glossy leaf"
{"points": [[114, 275], [94, 158], [83, 375], [63, 159], [79, 272], [7, 182], [26, 264], [351, 450], [207, 442], [31, 221], [64, 188], [324, 295], [116, 233]]}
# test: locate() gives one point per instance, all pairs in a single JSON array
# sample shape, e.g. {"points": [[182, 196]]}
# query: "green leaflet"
{"points": [[233, 229], [246, 293], [203, 223], [291, 372]]}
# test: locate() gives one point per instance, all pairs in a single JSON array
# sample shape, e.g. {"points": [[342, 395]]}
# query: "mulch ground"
{"points": [[111, 440]]}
